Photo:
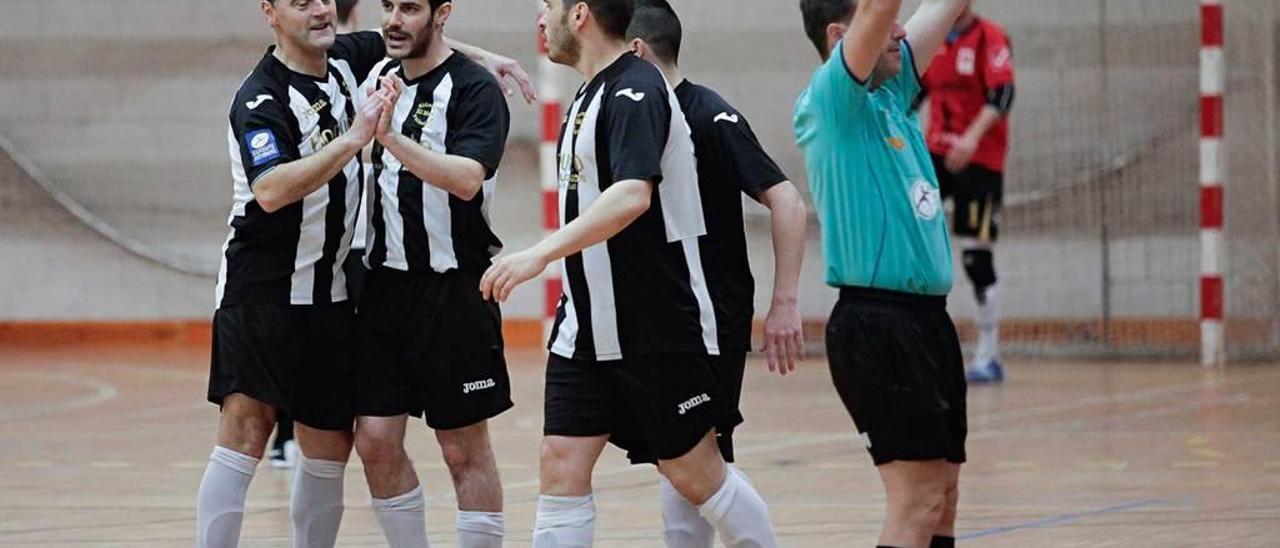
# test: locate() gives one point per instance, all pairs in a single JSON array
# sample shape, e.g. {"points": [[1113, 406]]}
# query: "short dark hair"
{"points": [[818, 14], [657, 24], [614, 15], [344, 9]]}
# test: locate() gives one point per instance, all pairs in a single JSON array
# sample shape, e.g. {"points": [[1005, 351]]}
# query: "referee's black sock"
{"points": [[943, 542]]}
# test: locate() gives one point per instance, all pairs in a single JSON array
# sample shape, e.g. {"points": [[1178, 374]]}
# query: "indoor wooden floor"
{"points": [[105, 447]]}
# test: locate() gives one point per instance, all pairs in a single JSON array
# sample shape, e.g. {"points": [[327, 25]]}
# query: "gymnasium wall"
{"points": [[122, 105]]}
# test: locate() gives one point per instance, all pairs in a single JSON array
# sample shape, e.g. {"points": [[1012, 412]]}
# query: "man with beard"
{"points": [[631, 346], [431, 345], [283, 327], [731, 163], [894, 354]]}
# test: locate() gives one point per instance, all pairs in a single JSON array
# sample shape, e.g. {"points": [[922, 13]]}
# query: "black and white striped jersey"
{"points": [[731, 163], [458, 109], [294, 255], [642, 291]]}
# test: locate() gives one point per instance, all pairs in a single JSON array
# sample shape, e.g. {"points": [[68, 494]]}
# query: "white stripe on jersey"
{"points": [[596, 266], [437, 217], [698, 281], [681, 203], [241, 195], [311, 236], [684, 218], [388, 184], [567, 332]]}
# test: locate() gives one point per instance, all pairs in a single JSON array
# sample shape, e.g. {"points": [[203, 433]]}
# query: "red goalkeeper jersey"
{"points": [[966, 68]]}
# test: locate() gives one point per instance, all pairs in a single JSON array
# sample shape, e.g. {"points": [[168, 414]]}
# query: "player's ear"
{"points": [[579, 16], [443, 13], [268, 11], [638, 47], [835, 33]]}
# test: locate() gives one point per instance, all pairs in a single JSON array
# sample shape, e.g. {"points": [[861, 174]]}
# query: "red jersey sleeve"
{"points": [[997, 58]]}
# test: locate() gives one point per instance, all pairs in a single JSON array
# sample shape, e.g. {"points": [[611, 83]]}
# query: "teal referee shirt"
{"points": [[873, 182]]}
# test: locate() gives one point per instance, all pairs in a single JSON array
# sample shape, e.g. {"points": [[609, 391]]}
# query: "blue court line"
{"points": [[1059, 520]]}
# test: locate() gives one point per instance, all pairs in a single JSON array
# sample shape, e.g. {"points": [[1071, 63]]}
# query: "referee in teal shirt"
{"points": [[894, 355]]}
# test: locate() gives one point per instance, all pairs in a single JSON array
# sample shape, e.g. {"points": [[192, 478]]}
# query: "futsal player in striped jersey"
{"points": [[630, 350], [284, 328], [430, 344], [731, 164]]}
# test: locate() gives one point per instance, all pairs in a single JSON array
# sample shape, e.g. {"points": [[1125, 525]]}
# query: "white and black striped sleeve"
{"points": [[479, 122], [639, 122], [263, 128]]}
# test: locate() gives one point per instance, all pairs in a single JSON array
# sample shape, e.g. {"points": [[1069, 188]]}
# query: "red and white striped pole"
{"points": [[549, 95], [1212, 256]]}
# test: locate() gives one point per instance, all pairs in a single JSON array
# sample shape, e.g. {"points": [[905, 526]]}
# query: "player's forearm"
{"points": [[864, 41], [615, 209], [929, 26], [986, 120], [790, 223], [461, 177], [293, 181]]}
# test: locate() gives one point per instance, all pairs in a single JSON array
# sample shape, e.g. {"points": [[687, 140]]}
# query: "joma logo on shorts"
{"points": [[469, 387], [693, 402]]}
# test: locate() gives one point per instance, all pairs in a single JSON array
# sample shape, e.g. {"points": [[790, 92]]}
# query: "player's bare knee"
{"points": [[563, 470], [461, 459], [378, 449], [698, 474], [246, 424], [466, 450]]}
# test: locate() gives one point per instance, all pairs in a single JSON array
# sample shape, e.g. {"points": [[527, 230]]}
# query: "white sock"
{"points": [[683, 526], [565, 522], [479, 529], [739, 514], [403, 519], [220, 501], [316, 504], [988, 324]]}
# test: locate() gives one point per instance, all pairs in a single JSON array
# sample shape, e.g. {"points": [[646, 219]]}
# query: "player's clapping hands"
{"points": [[391, 86], [368, 116]]}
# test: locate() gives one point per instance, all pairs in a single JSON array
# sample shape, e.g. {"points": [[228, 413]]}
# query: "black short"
{"points": [[430, 346], [729, 369], [895, 360], [660, 405], [295, 358], [978, 195], [355, 271]]}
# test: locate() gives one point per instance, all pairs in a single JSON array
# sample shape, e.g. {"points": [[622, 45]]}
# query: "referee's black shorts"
{"points": [[292, 357], [896, 363]]}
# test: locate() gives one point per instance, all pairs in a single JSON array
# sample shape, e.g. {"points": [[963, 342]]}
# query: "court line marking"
{"points": [[1059, 519], [1143, 395], [105, 391]]}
